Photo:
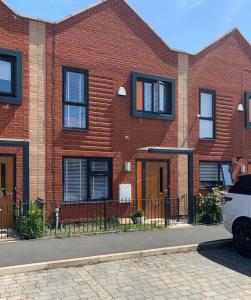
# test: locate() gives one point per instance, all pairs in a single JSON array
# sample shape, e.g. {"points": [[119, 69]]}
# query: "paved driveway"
{"points": [[217, 274]]}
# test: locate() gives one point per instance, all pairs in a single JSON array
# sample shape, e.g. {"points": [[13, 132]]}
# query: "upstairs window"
{"points": [[153, 97], [215, 174], [75, 98], [207, 114], [10, 77], [248, 110]]}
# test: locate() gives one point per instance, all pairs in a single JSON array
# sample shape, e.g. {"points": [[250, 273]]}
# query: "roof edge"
{"points": [[137, 14], [25, 16]]}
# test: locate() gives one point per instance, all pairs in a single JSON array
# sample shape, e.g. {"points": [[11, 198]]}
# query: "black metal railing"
{"points": [[47, 219]]}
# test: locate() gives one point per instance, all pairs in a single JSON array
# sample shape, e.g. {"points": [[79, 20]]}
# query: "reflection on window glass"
{"points": [[148, 96], [5, 76], [206, 129], [227, 174], [75, 87], [74, 116]]}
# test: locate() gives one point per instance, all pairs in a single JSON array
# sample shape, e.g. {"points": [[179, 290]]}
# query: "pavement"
{"points": [[218, 273], [39, 251]]}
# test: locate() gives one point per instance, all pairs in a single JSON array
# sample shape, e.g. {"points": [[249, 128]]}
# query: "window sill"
{"points": [[86, 202], [207, 139], [156, 116], [76, 129], [10, 100]]}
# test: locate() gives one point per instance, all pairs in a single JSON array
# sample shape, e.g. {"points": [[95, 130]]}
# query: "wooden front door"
{"points": [[156, 189], [6, 191], [249, 168]]}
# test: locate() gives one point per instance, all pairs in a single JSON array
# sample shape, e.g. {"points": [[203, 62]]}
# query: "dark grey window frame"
{"points": [[170, 114], [220, 163], [213, 118], [86, 95], [15, 58], [89, 174], [247, 108]]}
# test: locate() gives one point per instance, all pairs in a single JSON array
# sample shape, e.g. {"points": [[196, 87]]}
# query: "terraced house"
{"points": [[97, 107]]}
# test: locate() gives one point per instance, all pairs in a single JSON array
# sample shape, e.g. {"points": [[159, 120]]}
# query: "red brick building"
{"points": [[97, 106]]}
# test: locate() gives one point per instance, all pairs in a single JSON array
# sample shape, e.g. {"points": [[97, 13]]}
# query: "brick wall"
{"points": [[225, 68], [14, 119], [110, 41], [14, 35]]}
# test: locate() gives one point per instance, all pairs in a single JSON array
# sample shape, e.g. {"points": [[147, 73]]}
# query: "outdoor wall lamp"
{"points": [[122, 91], [240, 107]]}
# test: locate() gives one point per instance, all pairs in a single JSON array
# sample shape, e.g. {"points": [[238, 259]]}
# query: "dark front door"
{"points": [[6, 191]]}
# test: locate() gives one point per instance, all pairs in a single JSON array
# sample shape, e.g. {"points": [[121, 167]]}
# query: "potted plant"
{"points": [[138, 216]]}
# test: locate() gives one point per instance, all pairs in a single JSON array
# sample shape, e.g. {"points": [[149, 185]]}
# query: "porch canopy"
{"points": [[179, 151]]}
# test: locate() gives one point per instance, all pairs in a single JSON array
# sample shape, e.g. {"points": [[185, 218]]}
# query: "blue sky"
{"points": [[183, 24]]}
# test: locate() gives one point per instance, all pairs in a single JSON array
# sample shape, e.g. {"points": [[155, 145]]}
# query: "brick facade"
{"points": [[111, 41]]}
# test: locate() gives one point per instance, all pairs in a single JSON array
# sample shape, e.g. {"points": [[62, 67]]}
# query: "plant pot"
{"points": [[139, 220]]}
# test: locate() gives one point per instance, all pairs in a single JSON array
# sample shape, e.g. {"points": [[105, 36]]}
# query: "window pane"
{"points": [[139, 96], [75, 179], [206, 129], [206, 104], [5, 76], [74, 116], [75, 87], [249, 110], [227, 174], [156, 97], [99, 165], [148, 96], [99, 187], [162, 97], [208, 174]]}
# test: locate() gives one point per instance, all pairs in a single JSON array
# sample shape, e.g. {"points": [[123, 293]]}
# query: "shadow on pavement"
{"points": [[230, 258]]}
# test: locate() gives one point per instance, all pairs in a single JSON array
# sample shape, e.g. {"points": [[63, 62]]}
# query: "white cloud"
{"points": [[189, 5]]}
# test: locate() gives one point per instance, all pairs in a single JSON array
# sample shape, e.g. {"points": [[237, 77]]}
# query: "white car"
{"points": [[237, 214]]}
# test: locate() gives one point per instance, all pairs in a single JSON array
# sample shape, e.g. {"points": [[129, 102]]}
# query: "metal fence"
{"points": [[23, 220]]}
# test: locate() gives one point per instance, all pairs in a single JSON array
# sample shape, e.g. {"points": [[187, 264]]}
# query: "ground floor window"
{"points": [[215, 174], [86, 179]]}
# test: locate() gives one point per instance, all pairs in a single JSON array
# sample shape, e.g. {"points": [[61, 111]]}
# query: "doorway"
{"points": [[7, 191], [249, 168], [153, 186]]}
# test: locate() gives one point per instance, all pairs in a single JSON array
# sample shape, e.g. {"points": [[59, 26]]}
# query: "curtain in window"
{"points": [[74, 116], [99, 187], [75, 87], [75, 180]]}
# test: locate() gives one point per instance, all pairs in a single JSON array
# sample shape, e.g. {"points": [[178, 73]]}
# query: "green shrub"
{"points": [[209, 208], [138, 213], [32, 223]]}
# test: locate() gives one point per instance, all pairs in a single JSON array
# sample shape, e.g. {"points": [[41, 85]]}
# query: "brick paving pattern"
{"points": [[214, 274]]}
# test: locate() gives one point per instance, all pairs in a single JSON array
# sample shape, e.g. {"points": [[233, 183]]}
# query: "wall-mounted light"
{"points": [[122, 91], [127, 166], [240, 107]]}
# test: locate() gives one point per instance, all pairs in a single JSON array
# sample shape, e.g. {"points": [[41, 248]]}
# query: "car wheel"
{"points": [[242, 237]]}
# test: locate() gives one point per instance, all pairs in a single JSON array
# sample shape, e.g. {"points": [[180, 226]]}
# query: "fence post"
{"points": [[178, 210], [167, 211], [105, 215], [20, 217]]}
